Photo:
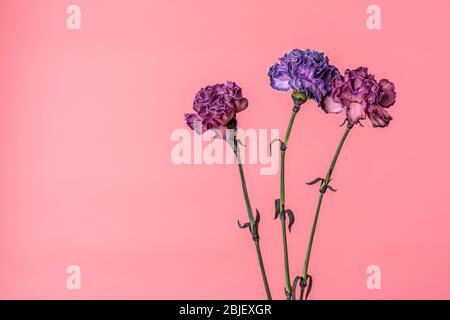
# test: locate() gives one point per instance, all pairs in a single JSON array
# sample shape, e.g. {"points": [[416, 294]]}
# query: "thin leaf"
{"points": [[258, 217], [294, 287], [331, 188], [345, 120], [314, 181], [240, 142], [310, 283], [270, 146], [277, 208], [243, 226], [291, 216]]}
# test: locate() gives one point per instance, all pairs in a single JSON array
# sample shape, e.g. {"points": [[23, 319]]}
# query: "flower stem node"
{"points": [[288, 294], [281, 212], [252, 228], [304, 283], [283, 145], [324, 185]]}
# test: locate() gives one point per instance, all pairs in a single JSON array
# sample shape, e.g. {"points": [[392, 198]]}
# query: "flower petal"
{"points": [[331, 106], [194, 121], [279, 77], [355, 112], [379, 117], [241, 104], [387, 94]]}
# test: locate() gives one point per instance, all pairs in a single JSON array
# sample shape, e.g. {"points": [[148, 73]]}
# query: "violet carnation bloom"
{"points": [[304, 71], [359, 94], [215, 108]]}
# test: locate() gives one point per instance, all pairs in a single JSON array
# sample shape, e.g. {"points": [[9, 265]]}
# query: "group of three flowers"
{"points": [[310, 76]]}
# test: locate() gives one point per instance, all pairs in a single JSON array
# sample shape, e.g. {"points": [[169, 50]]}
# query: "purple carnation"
{"points": [[215, 108], [359, 94], [306, 72]]}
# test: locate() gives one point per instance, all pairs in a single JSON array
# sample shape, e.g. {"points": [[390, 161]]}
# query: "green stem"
{"points": [[251, 219], [287, 278], [263, 272], [323, 188]]}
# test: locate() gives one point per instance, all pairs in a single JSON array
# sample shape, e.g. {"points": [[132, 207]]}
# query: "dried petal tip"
{"points": [[379, 117], [386, 94]]}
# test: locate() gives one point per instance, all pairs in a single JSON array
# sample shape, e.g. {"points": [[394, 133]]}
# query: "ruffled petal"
{"points": [[379, 117], [194, 121], [240, 104], [355, 112], [387, 94], [279, 77], [330, 106]]}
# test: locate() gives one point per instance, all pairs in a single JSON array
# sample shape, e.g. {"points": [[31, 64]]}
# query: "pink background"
{"points": [[86, 176]]}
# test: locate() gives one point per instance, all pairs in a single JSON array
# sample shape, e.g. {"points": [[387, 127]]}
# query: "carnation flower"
{"points": [[215, 108], [360, 95], [304, 71]]}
